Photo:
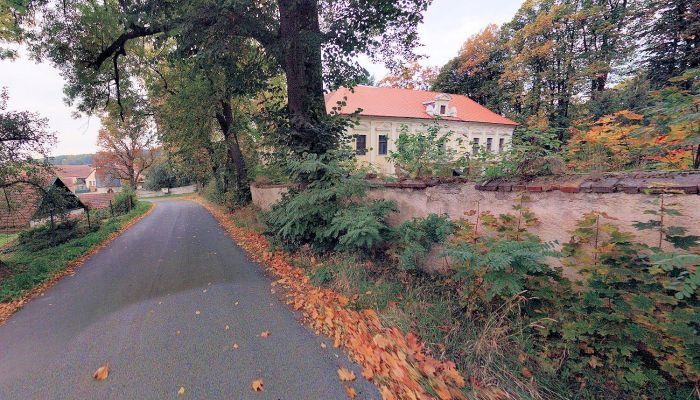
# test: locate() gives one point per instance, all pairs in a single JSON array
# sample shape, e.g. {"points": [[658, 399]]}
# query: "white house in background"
{"points": [[385, 110], [103, 182]]}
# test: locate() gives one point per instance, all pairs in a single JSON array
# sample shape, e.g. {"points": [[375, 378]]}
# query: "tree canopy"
{"points": [[99, 46]]}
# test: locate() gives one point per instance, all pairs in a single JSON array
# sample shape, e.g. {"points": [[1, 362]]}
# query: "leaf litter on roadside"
{"points": [[257, 385], [102, 372], [398, 363]]}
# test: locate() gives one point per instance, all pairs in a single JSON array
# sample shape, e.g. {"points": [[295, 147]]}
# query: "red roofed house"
{"points": [[385, 110], [96, 200], [22, 205], [75, 176]]}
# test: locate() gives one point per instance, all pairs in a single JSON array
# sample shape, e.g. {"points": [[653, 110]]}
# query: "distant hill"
{"points": [[73, 159]]}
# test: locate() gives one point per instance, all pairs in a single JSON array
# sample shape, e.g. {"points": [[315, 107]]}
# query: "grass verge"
{"points": [[29, 273], [7, 238]]}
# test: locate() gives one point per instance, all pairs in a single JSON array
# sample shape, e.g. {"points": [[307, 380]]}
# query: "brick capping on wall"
{"points": [[652, 182], [558, 202], [687, 182]]}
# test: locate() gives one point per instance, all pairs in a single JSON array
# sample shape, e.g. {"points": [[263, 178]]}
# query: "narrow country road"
{"points": [[155, 304]]}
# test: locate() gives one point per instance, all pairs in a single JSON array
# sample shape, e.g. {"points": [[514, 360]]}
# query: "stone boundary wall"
{"points": [[265, 195], [558, 202]]}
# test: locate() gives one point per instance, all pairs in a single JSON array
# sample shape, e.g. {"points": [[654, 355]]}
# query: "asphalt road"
{"points": [[155, 304]]}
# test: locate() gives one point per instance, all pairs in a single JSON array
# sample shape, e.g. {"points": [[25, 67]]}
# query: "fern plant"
{"points": [[415, 238], [331, 212]]}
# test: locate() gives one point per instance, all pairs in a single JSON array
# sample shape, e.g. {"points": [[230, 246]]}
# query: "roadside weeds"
{"points": [[397, 363]]}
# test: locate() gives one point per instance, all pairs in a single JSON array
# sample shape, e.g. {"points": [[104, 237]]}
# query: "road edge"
{"points": [[9, 308], [396, 363]]}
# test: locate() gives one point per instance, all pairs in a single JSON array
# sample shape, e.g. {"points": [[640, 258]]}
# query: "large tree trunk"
{"points": [[225, 119], [301, 38]]}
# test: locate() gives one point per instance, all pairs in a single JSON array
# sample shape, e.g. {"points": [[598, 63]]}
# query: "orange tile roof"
{"points": [[68, 173], [20, 202], [96, 200], [407, 103], [73, 171]]}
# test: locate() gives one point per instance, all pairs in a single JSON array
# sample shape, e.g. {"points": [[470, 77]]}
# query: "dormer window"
{"points": [[440, 105]]}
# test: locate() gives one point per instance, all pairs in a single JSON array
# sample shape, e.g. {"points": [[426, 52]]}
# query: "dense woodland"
{"points": [[606, 76]]}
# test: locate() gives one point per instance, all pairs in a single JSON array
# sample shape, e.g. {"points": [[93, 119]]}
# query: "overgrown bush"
{"points": [[415, 238], [164, 175], [124, 201], [631, 333], [331, 212], [426, 153], [44, 236], [532, 152]]}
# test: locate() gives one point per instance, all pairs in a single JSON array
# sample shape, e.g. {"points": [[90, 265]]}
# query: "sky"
{"points": [[38, 87]]}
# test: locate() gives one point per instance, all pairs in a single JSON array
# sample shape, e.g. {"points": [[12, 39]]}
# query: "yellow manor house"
{"points": [[385, 110]]}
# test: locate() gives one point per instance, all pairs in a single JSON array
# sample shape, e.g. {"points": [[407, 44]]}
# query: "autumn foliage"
{"points": [[413, 76], [397, 363]]}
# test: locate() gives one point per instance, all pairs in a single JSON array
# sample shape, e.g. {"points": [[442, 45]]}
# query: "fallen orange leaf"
{"points": [[235, 345], [257, 385], [346, 375], [350, 392], [101, 373], [265, 334]]}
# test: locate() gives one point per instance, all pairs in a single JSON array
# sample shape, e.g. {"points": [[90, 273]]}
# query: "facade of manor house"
{"points": [[385, 110]]}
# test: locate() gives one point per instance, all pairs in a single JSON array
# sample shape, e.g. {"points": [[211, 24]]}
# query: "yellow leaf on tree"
{"points": [[101, 373]]}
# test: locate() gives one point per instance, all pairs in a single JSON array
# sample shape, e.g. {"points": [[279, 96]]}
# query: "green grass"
{"points": [[29, 269], [7, 238]]}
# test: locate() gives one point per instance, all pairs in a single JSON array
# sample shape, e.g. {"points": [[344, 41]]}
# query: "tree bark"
{"points": [[301, 40], [225, 119]]}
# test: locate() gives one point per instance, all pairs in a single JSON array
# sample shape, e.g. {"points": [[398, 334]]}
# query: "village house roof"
{"points": [[408, 103], [96, 200], [69, 174], [73, 171], [106, 180], [20, 202]]}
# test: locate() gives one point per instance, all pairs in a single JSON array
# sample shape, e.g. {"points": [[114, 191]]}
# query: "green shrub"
{"points": [[44, 236], [331, 212], [532, 152], [415, 238], [634, 331], [162, 175], [124, 201], [424, 153]]}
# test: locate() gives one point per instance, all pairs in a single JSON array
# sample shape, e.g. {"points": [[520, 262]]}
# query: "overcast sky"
{"points": [[39, 87]]}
